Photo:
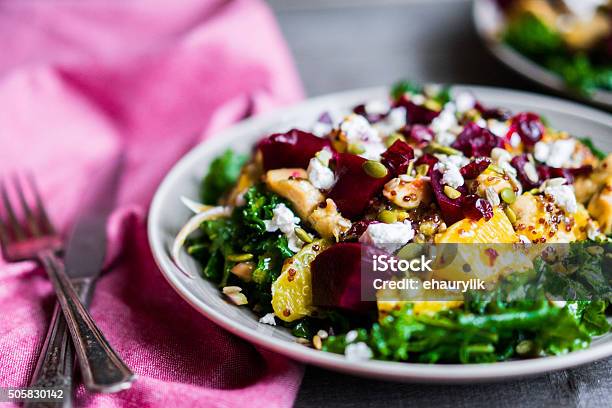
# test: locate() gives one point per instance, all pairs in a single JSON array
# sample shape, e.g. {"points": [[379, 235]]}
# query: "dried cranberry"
{"points": [[476, 208], [547, 172], [397, 157], [519, 162], [354, 188], [529, 127], [473, 169], [372, 118], [292, 149], [476, 141]]}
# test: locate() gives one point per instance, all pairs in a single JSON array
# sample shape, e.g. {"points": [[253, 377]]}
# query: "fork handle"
{"points": [[101, 367], [55, 365]]}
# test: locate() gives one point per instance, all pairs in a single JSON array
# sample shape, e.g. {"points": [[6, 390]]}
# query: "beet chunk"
{"points": [[292, 149]]}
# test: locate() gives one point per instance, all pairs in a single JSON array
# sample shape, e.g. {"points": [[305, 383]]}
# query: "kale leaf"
{"points": [[223, 173]]}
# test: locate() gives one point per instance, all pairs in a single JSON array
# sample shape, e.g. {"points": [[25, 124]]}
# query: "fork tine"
{"points": [[27, 211], [12, 219], [40, 208]]}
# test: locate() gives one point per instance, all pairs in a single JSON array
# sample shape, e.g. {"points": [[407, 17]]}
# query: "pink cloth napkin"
{"points": [[80, 81]]}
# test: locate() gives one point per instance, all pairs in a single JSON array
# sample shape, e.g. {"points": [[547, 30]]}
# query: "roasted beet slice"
{"points": [[547, 172], [417, 114], [473, 169], [451, 209], [427, 159], [357, 229], [354, 188], [397, 157], [476, 208], [420, 135], [519, 162], [529, 127], [476, 141], [500, 114], [337, 278], [292, 149]]}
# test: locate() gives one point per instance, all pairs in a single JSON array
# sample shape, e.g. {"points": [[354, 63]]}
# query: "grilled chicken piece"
{"points": [[293, 185]]}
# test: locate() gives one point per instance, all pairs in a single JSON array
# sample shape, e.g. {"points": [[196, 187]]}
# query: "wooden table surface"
{"points": [[347, 44]]}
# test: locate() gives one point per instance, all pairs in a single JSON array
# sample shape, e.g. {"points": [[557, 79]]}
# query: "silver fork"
{"points": [[36, 239]]}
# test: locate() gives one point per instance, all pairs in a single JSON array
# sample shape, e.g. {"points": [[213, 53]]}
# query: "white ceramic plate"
{"points": [[168, 214], [489, 22]]}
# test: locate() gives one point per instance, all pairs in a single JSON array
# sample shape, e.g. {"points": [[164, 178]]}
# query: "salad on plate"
{"points": [[572, 38], [282, 231]]}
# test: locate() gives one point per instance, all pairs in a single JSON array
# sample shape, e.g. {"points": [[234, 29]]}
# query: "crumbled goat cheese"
{"points": [[450, 166], [515, 139], [445, 120], [320, 175], [584, 9], [377, 107], [498, 128], [357, 129], [321, 129], [351, 336], [524, 239], [396, 119], [358, 352], [563, 195], [465, 101], [284, 220], [390, 237], [418, 99], [268, 319], [555, 154]]}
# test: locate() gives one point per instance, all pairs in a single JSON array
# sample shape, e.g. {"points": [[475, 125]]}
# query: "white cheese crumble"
{"points": [[498, 128], [524, 239], [515, 139], [357, 129], [268, 318], [584, 9], [351, 336], [377, 107], [418, 99], [555, 154], [358, 352], [464, 102], [562, 194], [319, 174], [396, 119], [390, 237], [450, 166], [285, 221]]}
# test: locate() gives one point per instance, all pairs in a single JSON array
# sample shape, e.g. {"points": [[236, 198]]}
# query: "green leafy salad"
{"points": [[282, 230], [574, 42]]}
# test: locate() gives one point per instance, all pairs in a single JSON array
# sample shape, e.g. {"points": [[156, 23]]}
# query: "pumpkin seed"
{"points": [[422, 169], [508, 195], [386, 216], [375, 169], [355, 148], [451, 192], [394, 138]]}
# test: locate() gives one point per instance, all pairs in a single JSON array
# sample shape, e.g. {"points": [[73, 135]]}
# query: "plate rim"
{"points": [[397, 371], [523, 66]]}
